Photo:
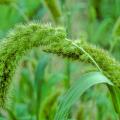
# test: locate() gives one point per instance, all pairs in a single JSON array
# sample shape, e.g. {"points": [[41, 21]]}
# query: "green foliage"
{"points": [[48, 107], [34, 35], [39, 81]]}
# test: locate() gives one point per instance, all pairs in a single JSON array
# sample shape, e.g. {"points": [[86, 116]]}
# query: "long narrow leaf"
{"points": [[77, 89]]}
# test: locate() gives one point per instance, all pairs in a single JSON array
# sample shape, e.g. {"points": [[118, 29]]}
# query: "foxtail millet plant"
{"points": [[53, 40]]}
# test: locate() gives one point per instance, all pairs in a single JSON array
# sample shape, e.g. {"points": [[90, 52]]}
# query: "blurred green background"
{"points": [[41, 78]]}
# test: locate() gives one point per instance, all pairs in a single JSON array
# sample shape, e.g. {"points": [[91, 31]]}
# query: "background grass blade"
{"points": [[39, 79]]}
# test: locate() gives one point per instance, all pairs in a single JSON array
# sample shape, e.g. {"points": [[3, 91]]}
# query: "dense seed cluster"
{"points": [[109, 66], [17, 43], [52, 40]]}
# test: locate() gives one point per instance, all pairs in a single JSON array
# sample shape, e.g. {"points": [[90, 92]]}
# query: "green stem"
{"points": [[115, 95], [67, 23], [54, 9]]}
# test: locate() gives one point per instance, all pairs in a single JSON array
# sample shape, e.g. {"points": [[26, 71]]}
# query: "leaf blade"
{"points": [[76, 90]]}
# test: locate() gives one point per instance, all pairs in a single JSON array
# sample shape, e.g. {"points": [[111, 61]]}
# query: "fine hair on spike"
{"points": [[51, 40]]}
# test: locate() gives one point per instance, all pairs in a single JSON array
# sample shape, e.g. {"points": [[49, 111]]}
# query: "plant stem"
{"points": [[115, 95], [54, 9]]}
